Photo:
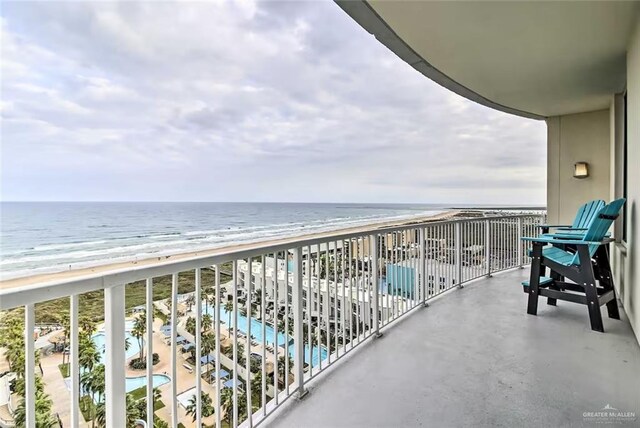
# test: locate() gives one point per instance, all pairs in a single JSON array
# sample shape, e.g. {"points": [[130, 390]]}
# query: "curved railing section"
{"points": [[235, 334]]}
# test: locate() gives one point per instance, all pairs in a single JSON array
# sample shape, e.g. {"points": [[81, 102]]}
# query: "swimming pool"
{"points": [[132, 383], [314, 355], [100, 340]]}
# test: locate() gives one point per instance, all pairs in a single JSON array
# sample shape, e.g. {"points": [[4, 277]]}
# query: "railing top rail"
{"points": [[47, 290]]}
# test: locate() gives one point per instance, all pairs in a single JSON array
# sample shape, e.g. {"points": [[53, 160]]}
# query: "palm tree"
{"points": [[206, 403], [133, 412], [256, 388], [138, 331], [19, 388], [229, 308], [44, 416], [242, 359], [87, 325], [88, 354], [65, 321], [282, 368], [212, 301], [191, 326], [93, 384], [160, 423], [190, 301], [208, 343], [206, 322], [207, 290], [226, 404]]}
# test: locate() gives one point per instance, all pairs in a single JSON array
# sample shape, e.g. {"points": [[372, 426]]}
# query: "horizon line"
{"points": [[443, 204]]}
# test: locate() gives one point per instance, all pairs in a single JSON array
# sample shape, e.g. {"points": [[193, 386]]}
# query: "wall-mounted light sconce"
{"points": [[581, 170]]}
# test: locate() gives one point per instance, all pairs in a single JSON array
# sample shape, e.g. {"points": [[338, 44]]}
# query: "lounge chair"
{"points": [[588, 268]]}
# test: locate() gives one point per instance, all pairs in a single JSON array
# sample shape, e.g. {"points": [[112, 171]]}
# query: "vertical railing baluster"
{"points": [[174, 350], [318, 300], [351, 293], [263, 304], [198, 337], [235, 343], [421, 270], [335, 296], [519, 243], [326, 308], [29, 366], [310, 300], [275, 328], [115, 392], [396, 278], [373, 256], [287, 369], [218, 409], [458, 238], [343, 307], [487, 246], [298, 332], [248, 278], [74, 367], [149, 339]]}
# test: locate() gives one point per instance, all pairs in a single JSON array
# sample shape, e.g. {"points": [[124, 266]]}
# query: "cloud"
{"points": [[266, 101]]}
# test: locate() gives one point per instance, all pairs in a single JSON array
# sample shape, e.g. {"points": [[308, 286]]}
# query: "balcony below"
{"points": [[475, 358]]}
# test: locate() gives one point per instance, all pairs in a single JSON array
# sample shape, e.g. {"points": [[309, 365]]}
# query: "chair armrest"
{"points": [[554, 225], [552, 240], [572, 228]]}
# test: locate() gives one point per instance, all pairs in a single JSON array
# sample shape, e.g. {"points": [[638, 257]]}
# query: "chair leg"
{"points": [[550, 300], [589, 282], [612, 308], [534, 280], [606, 280]]}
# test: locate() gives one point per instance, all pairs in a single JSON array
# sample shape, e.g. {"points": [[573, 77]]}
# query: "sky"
{"points": [[241, 101]]}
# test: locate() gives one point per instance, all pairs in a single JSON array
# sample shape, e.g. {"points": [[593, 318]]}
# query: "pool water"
{"points": [[132, 383], [100, 340], [315, 354]]}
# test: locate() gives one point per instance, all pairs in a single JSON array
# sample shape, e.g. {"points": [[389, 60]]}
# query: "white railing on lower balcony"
{"points": [[245, 330]]}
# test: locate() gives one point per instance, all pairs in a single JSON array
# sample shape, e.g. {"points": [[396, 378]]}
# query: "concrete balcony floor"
{"points": [[474, 358]]}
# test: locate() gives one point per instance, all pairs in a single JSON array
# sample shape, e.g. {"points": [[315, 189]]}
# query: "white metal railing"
{"points": [[288, 312]]}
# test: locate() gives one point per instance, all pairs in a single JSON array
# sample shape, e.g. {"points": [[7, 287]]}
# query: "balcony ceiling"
{"points": [[534, 59]]}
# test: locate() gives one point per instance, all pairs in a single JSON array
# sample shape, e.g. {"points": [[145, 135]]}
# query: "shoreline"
{"points": [[117, 266]]}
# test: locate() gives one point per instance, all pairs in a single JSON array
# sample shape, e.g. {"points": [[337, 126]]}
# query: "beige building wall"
{"points": [[626, 255], [574, 138]]}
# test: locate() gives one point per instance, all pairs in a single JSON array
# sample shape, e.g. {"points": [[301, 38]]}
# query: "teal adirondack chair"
{"points": [[586, 213], [587, 266]]}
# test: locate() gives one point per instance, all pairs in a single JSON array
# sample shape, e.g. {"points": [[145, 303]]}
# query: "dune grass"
{"points": [[92, 303]]}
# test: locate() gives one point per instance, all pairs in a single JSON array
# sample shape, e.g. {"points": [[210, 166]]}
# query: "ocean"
{"points": [[44, 237]]}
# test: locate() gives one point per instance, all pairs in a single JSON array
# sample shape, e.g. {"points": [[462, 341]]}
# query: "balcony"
{"points": [[238, 334], [475, 358]]}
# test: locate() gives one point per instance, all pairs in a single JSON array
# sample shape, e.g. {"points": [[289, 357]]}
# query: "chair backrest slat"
{"points": [[599, 226], [586, 213]]}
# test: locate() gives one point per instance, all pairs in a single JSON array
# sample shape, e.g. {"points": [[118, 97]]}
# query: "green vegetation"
{"points": [[92, 380], [12, 339], [87, 407], [64, 369], [92, 303], [141, 393], [207, 407]]}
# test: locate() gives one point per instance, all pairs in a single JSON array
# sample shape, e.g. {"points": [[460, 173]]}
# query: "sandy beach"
{"points": [[114, 267]]}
